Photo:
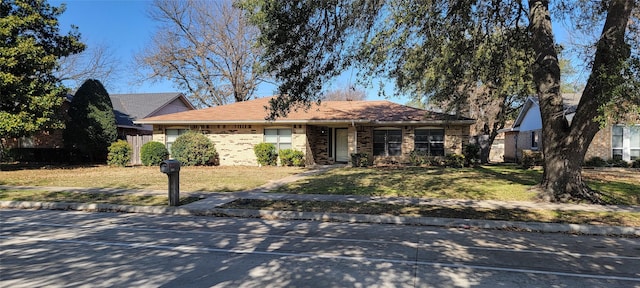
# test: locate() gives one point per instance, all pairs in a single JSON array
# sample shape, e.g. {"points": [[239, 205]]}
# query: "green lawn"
{"points": [[499, 182]]}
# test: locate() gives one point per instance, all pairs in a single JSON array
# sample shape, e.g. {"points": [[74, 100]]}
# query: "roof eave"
{"points": [[310, 121]]}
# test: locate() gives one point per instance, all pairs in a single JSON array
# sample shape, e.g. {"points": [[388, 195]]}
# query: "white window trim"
{"points": [[626, 142]]}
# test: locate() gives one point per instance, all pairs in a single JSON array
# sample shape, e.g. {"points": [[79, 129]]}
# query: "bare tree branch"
{"points": [[204, 47]]}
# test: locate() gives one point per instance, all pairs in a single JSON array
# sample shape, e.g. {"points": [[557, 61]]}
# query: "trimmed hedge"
{"points": [[194, 149], [266, 154], [119, 153], [152, 153], [290, 157]]}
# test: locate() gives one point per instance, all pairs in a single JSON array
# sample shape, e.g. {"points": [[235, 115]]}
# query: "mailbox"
{"points": [[170, 166]]}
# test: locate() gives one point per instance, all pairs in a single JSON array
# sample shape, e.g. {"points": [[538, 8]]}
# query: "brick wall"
{"points": [[600, 145]]}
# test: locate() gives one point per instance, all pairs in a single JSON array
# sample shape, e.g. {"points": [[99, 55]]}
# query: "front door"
{"points": [[342, 145]]}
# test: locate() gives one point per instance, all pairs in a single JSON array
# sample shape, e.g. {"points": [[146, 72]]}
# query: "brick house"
{"points": [[619, 141], [327, 134]]}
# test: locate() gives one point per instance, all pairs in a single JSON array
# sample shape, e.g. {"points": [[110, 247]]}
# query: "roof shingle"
{"points": [[327, 111]]}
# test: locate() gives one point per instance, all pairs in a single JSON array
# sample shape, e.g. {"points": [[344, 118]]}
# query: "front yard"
{"points": [[491, 182], [498, 182]]}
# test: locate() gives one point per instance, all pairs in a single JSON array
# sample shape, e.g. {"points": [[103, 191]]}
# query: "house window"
{"points": [[172, 135], [625, 142], [634, 143], [429, 141], [534, 140], [279, 137], [387, 142], [617, 142]]}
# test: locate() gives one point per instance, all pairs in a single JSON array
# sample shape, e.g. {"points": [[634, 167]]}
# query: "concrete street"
{"points": [[73, 249]]}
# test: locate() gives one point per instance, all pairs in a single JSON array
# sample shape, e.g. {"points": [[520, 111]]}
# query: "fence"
{"points": [[136, 142]]}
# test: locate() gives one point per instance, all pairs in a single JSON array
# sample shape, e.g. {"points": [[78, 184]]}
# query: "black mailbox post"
{"points": [[171, 167]]}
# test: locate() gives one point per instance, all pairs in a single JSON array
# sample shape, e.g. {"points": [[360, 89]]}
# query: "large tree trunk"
{"points": [[564, 144]]}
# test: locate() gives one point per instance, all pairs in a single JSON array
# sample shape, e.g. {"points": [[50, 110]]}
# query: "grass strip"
{"points": [[547, 216], [76, 197]]}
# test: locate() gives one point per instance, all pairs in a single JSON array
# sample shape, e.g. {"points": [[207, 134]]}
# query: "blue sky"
{"points": [[123, 26]]}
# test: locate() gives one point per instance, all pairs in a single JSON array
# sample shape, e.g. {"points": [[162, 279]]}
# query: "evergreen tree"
{"points": [[91, 127], [30, 48]]}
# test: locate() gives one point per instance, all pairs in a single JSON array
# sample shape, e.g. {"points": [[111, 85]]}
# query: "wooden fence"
{"points": [[136, 142]]}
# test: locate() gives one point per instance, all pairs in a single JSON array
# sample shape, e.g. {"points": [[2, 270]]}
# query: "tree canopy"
{"points": [[29, 52], [206, 48], [438, 49]]}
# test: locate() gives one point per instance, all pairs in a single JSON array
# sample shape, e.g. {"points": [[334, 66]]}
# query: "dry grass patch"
{"points": [[227, 178], [76, 197], [547, 216]]}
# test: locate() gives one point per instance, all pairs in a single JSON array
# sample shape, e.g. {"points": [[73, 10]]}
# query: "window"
{"points": [[625, 142], [387, 142], [634, 143], [279, 137], [429, 141], [617, 140], [534, 140], [172, 135]]}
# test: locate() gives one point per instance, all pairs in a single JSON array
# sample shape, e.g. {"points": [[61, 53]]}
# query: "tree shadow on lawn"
{"points": [[515, 175], [465, 183]]}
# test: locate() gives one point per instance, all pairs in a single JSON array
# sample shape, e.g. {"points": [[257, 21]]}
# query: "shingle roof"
{"points": [[130, 107], [254, 111]]}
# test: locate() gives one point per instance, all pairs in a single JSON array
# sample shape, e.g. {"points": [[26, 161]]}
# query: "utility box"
{"points": [[171, 167]]}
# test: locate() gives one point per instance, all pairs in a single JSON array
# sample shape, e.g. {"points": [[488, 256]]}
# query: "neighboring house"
{"points": [[127, 108], [131, 107], [327, 134], [612, 142]]}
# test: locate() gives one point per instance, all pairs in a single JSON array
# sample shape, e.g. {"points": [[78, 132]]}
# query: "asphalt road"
{"points": [[75, 249]]}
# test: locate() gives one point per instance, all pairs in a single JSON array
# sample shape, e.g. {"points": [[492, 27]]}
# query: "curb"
{"points": [[335, 217]]}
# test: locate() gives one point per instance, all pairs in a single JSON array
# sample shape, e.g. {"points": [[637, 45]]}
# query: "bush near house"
{"points": [[595, 162], [194, 149], [454, 160], [266, 154], [472, 154], [290, 157], [360, 160], [119, 153], [152, 153], [530, 158]]}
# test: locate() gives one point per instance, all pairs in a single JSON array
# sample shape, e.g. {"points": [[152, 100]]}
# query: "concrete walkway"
{"points": [[212, 202]]}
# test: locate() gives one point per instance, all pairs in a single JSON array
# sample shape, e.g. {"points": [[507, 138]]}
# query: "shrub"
{"points": [[618, 163], [454, 160], [530, 158], [360, 160], [119, 153], [595, 162], [472, 154], [194, 149], [290, 157], [419, 158], [266, 154], [152, 153], [635, 163]]}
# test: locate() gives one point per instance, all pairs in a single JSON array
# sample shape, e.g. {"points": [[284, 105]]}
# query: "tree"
{"points": [[91, 127], [30, 47], [345, 94], [308, 42], [206, 48], [97, 62]]}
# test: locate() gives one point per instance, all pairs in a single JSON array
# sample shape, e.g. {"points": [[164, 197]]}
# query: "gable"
{"points": [[532, 120]]}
